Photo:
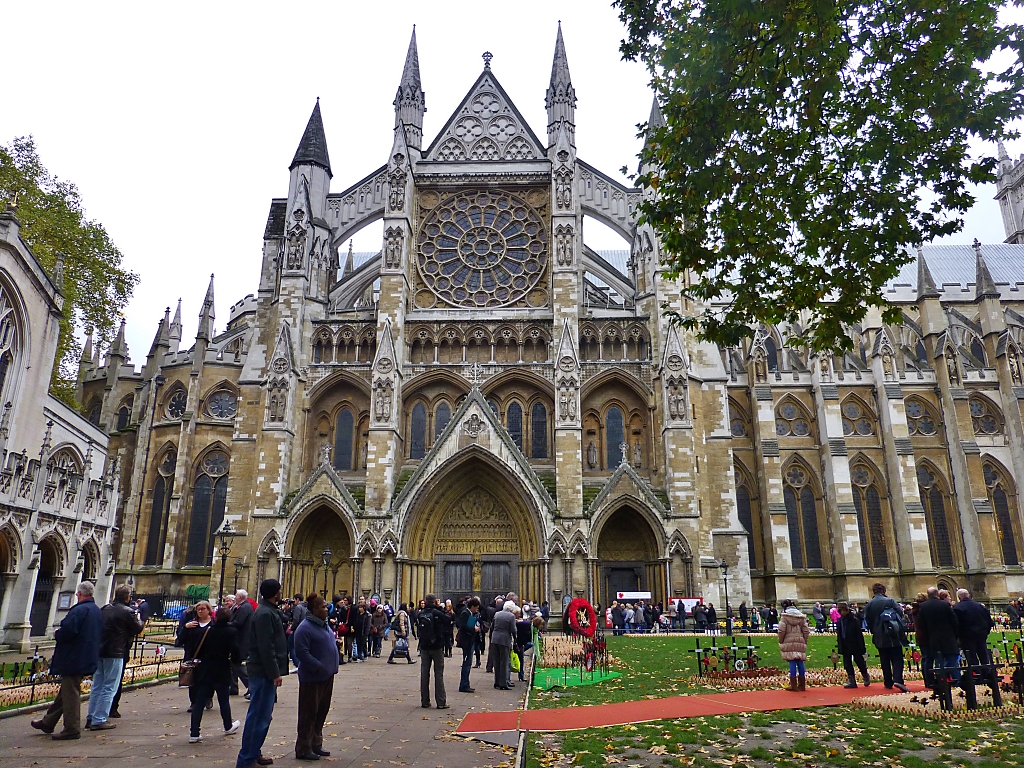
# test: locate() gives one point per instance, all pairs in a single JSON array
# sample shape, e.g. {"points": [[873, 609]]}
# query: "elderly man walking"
{"points": [[120, 626], [502, 632], [267, 666], [241, 617], [76, 655], [938, 621], [974, 623], [316, 647]]}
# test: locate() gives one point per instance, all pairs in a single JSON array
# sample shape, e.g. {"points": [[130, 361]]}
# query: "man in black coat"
{"points": [[940, 625], [437, 622], [76, 655], [120, 626], [267, 665], [890, 650], [618, 619], [974, 623], [241, 617]]}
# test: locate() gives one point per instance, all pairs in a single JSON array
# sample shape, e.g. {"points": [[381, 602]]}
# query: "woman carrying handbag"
{"points": [[216, 649]]}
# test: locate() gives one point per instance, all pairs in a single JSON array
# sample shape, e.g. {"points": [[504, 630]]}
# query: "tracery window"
{"points": [[94, 414], [870, 524], [222, 404], [481, 249], [418, 432], [737, 421], [344, 434], [539, 429], [920, 419], [9, 342], [209, 496], [514, 421], [442, 416], [802, 518], [986, 418], [744, 508], [934, 502], [124, 413], [856, 419], [791, 420], [176, 404], [614, 435], [977, 350], [1002, 497], [772, 354], [159, 510]]}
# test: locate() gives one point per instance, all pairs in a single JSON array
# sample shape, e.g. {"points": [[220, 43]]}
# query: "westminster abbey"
{"points": [[486, 403]]}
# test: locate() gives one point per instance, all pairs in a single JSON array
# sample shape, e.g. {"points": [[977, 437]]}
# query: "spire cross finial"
{"points": [[487, 59], [474, 374]]}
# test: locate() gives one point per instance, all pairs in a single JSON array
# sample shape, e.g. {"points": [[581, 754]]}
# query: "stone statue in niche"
{"points": [[624, 451], [1013, 361], [638, 455], [824, 373], [365, 450], [951, 369], [888, 370], [591, 455], [325, 453], [296, 242], [760, 368], [382, 409]]}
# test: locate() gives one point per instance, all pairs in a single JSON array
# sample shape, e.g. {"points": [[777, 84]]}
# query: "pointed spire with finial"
{"points": [[312, 148], [174, 330], [410, 101], [984, 285], [350, 263], [207, 315], [120, 347], [925, 283], [87, 348], [161, 338], [561, 96]]}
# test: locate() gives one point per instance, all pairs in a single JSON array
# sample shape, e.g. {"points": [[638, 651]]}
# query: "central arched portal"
{"points": [[627, 553], [322, 529], [472, 532]]}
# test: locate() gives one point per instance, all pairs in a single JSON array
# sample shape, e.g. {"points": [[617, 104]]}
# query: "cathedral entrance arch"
{"points": [[50, 567], [472, 532], [628, 554], [305, 571]]}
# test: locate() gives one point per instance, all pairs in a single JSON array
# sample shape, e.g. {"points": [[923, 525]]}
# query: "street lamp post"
{"points": [[728, 611], [158, 381], [326, 556], [239, 565], [225, 532]]}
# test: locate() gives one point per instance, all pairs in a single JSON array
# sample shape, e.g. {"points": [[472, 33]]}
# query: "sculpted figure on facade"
{"points": [[591, 455], [564, 246], [393, 240], [382, 393], [563, 186], [397, 179], [1013, 362], [296, 242], [952, 369]]}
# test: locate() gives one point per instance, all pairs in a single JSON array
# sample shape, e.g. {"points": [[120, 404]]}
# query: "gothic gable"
{"points": [[626, 482], [324, 483], [485, 127]]}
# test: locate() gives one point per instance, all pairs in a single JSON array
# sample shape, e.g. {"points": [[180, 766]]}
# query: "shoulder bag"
{"points": [[186, 669]]}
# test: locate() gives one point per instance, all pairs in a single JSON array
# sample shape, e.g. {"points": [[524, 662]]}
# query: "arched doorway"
{"points": [[628, 556], [49, 570], [472, 533], [322, 529]]}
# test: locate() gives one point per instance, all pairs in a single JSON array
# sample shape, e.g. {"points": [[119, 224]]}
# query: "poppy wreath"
{"points": [[582, 618]]}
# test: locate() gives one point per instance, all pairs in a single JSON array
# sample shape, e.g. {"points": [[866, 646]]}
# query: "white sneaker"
{"points": [[233, 728], [194, 739]]}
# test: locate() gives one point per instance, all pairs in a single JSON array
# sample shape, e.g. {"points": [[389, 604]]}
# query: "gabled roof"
{"points": [[486, 126], [619, 484]]}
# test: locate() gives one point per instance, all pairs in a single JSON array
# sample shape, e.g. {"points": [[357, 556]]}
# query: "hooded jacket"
{"points": [[793, 633]]}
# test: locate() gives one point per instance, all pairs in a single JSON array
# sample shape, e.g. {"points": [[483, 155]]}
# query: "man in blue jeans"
{"points": [[467, 622], [267, 665]]}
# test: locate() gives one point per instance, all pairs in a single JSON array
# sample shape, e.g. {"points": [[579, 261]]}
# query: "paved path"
{"points": [[375, 720], [573, 718]]}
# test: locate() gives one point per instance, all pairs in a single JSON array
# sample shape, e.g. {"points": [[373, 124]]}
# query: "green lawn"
{"points": [[655, 667]]}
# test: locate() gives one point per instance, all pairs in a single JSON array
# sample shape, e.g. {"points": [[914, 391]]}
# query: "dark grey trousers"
{"points": [[433, 658]]}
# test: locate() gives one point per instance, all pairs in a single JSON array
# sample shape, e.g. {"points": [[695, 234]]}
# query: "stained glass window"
{"points": [[746, 520], [418, 436], [801, 519], [856, 420], [870, 524], [920, 419], [792, 421], [539, 431], [615, 434], [209, 496], [514, 416], [986, 419], [442, 416], [343, 435], [1001, 505], [935, 518], [222, 404], [176, 404]]}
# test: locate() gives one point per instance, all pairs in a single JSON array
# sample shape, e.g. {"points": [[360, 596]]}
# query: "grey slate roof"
{"points": [[313, 146], [954, 268], [617, 259], [275, 219]]}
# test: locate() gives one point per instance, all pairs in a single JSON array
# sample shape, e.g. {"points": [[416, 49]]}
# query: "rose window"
{"points": [[482, 249]]}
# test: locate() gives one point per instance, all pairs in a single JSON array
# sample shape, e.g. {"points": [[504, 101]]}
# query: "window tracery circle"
{"points": [[482, 249], [986, 419], [790, 421], [222, 405], [215, 464], [855, 420], [177, 403], [919, 419]]}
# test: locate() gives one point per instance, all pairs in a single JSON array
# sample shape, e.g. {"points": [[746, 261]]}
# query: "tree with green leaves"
{"points": [[96, 287], [807, 145]]}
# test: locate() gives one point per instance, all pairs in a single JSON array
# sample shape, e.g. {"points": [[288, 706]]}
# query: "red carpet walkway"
{"points": [[573, 718]]}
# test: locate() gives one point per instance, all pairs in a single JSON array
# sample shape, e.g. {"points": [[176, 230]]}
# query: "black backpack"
{"points": [[396, 623], [425, 627]]}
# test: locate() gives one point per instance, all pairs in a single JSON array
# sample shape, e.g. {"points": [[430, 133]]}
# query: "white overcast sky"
{"points": [[178, 121]]}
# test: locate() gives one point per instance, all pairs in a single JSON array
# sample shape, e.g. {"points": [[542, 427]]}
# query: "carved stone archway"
{"points": [[629, 556], [320, 529], [472, 533]]}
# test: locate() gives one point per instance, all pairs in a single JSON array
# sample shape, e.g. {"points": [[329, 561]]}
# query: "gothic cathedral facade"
{"points": [[488, 404]]}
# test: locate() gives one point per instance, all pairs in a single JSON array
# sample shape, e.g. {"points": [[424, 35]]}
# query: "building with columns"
{"points": [[489, 404], [59, 494]]}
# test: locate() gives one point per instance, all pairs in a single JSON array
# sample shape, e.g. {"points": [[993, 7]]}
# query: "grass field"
{"points": [[655, 667]]}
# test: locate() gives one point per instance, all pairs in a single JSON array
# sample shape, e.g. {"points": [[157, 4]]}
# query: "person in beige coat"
{"points": [[793, 634]]}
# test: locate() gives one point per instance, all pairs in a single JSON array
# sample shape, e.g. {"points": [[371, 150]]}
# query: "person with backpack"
{"points": [[888, 632], [432, 627], [467, 622], [401, 626], [793, 634], [938, 620]]}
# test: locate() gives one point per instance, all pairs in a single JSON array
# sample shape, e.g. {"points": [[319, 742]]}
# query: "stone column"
{"points": [[357, 563], [378, 573], [51, 618], [5, 605]]}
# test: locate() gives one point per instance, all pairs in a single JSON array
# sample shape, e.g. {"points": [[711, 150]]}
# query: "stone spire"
{"points": [[161, 343], [174, 330], [207, 315], [410, 101], [984, 285], [313, 146], [925, 283], [350, 263], [1004, 156], [656, 120], [561, 96], [86, 358], [120, 347]]}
